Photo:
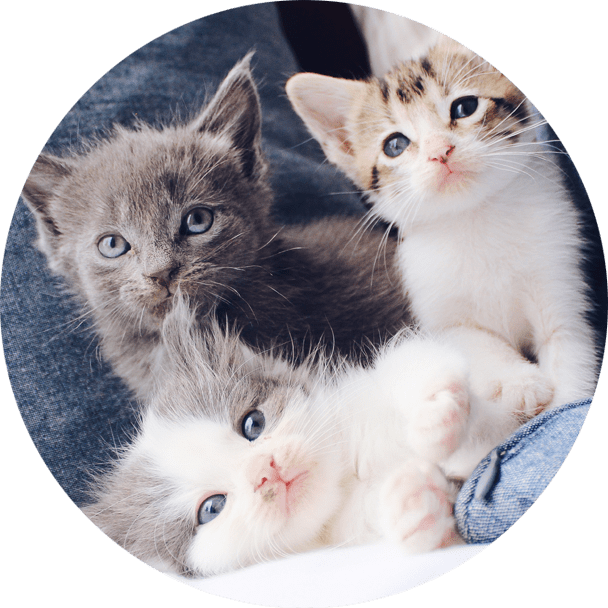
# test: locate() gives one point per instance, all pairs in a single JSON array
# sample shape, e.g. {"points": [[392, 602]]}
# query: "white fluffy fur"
{"points": [[373, 447]]}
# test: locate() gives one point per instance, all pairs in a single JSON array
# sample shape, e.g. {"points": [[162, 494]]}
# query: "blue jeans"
{"points": [[507, 481]]}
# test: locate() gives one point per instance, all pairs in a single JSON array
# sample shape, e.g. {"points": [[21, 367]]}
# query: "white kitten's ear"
{"points": [[325, 105], [235, 111]]}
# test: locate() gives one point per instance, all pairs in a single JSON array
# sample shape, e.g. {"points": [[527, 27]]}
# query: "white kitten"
{"points": [[445, 149], [241, 458]]}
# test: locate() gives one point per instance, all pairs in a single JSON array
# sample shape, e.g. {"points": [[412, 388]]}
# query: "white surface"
{"points": [[335, 577]]}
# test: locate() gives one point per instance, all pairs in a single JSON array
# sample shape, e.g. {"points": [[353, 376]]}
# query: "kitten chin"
{"points": [[149, 212]]}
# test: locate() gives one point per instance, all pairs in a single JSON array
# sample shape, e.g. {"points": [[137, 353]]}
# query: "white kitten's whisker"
{"points": [[320, 434]]}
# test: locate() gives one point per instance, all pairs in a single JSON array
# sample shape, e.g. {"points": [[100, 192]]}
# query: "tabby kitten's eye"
{"points": [[253, 424], [113, 246], [197, 221], [395, 144], [211, 508], [463, 107]]}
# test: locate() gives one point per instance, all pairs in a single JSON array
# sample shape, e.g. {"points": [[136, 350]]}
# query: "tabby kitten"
{"points": [[241, 458], [147, 212], [445, 149]]}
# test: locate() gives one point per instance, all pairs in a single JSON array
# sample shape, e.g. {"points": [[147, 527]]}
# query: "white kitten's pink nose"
{"points": [[269, 473], [277, 484]]}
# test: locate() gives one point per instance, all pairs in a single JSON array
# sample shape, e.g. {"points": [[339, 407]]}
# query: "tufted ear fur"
{"points": [[41, 192], [325, 104], [235, 111]]}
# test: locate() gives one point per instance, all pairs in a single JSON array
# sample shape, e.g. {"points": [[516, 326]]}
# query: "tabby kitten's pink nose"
{"points": [[442, 157]]}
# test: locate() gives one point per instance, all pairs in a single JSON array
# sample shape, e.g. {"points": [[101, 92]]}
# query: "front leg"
{"points": [[426, 382], [567, 354], [416, 507], [511, 385]]}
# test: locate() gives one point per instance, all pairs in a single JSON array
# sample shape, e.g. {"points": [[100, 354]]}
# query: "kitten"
{"points": [[445, 149], [241, 458], [149, 211]]}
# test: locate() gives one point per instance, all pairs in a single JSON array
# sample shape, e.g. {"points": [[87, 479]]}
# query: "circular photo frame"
{"points": [[218, 84]]}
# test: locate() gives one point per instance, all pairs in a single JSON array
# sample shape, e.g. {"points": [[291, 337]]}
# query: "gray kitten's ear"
{"points": [[41, 188], [235, 111], [325, 105], [128, 506]]}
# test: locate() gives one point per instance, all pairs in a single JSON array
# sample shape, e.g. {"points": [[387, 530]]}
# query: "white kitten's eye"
{"points": [[463, 107], [113, 246], [211, 508], [395, 144], [197, 221], [253, 424]]}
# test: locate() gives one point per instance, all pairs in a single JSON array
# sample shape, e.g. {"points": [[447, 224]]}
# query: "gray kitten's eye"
{"points": [[113, 246], [211, 508], [196, 221], [463, 107], [253, 424], [395, 144]]}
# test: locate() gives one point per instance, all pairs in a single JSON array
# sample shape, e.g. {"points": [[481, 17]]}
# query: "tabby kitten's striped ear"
{"points": [[325, 104]]}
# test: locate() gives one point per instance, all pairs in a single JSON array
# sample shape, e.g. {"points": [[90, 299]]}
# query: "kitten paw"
{"points": [[418, 508], [437, 429], [526, 391]]}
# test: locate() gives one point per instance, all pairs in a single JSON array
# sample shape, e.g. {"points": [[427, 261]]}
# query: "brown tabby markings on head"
{"points": [[446, 150], [149, 212]]}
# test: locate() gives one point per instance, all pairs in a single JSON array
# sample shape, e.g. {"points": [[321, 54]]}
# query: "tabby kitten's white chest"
{"points": [[445, 149]]}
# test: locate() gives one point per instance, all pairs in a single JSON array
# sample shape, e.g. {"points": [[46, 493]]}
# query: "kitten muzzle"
{"points": [[281, 485], [443, 155]]}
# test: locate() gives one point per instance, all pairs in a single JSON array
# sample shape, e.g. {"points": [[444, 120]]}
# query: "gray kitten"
{"points": [[149, 212]]}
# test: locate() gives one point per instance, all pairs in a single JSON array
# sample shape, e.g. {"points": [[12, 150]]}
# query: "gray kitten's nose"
{"points": [[165, 276]]}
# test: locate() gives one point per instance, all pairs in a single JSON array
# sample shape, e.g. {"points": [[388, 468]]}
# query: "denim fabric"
{"points": [[73, 407], [506, 483]]}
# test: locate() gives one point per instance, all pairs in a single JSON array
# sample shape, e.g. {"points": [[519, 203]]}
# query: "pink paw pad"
{"points": [[441, 423], [426, 521], [460, 395]]}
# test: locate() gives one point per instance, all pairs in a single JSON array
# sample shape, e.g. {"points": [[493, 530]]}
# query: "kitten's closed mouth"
{"points": [[160, 309], [452, 176], [282, 487]]}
